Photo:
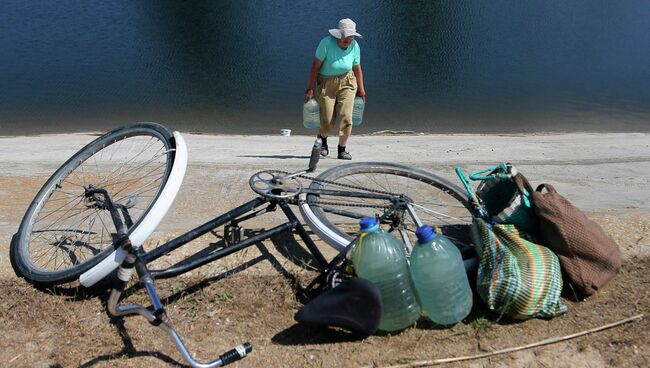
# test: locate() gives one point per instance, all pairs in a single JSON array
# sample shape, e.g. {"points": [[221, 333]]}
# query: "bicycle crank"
{"points": [[275, 184]]}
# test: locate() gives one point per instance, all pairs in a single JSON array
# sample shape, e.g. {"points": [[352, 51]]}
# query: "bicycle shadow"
{"points": [[129, 351], [73, 291], [284, 243], [278, 157], [264, 256], [294, 251], [301, 335]]}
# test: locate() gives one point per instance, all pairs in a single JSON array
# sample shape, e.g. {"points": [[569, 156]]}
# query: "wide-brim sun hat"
{"points": [[346, 28]]}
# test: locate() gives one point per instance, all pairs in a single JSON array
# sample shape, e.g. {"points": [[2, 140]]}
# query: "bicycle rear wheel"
{"points": [[436, 201], [64, 232]]}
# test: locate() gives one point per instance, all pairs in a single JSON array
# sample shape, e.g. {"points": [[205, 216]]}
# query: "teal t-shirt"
{"points": [[336, 60]]}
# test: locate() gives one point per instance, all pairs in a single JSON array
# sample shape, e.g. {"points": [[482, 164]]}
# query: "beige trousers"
{"points": [[336, 94]]}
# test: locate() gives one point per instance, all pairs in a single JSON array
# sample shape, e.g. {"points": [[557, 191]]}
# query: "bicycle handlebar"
{"points": [[313, 160], [157, 315]]}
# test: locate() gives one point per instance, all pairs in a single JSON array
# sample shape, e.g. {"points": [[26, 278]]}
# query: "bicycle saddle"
{"points": [[354, 305]]}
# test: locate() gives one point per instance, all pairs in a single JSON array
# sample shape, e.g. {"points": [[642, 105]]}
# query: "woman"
{"points": [[337, 69]]}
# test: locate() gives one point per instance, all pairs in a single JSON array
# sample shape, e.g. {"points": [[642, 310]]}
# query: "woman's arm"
{"points": [[313, 74], [361, 91]]}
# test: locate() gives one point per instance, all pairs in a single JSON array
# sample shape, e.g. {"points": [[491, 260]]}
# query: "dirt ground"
{"points": [[254, 294]]}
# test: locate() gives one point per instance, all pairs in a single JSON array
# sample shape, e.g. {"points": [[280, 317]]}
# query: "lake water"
{"points": [[242, 67]]}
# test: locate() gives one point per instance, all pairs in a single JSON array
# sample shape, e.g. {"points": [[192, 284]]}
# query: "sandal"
{"points": [[344, 155], [324, 151]]}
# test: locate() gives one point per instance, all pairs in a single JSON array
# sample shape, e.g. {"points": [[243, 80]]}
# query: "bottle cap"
{"points": [[425, 234], [368, 224]]}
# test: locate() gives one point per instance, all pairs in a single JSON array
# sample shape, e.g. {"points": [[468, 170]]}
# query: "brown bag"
{"points": [[588, 256]]}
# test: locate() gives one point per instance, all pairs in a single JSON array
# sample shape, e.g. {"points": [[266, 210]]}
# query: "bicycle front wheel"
{"points": [[335, 217], [65, 231]]}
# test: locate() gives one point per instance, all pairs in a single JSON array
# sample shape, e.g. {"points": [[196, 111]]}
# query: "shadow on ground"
{"points": [[277, 157]]}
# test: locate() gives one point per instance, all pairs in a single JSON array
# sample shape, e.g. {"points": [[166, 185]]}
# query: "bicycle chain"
{"points": [[349, 186], [345, 185], [342, 204]]}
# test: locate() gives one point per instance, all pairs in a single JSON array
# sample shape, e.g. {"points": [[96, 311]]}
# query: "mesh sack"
{"points": [[517, 277]]}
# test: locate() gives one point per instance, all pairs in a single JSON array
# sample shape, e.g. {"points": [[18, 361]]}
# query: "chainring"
{"points": [[275, 184]]}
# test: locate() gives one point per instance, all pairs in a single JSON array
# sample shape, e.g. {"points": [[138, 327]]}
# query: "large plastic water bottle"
{"points": [[378, 257], [439, 276], [311, 114], [357, 111]]}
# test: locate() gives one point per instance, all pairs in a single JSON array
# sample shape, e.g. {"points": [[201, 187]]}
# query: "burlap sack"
{"points": [[588, 256]]}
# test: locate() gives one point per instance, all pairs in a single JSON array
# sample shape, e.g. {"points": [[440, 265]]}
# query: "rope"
{"points": [[553, 340]]}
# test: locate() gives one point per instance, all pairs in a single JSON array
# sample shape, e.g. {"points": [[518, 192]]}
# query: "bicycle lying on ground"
{"points": [[95, 212]]}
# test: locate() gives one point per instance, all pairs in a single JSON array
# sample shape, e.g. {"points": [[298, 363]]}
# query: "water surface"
{"points": [[241, 66]]}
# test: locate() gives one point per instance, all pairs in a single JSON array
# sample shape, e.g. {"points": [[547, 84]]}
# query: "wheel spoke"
{"points": [[441, 216], [341, 212], [65, 229], [432, 200]]}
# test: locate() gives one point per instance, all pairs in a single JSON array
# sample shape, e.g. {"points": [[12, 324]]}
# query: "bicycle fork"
{"points": [[157, 316]]}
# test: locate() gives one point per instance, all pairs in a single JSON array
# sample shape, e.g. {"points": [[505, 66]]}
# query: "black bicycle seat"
{"points": [[354, 305]]}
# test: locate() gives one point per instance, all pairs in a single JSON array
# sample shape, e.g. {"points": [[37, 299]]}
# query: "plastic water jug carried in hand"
{"points": [[439, 278], [311, 114], [357, 111], [381, 259]]}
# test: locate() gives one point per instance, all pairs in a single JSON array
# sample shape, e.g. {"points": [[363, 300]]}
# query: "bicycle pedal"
{"points": [[335, 277], [233, 234]]}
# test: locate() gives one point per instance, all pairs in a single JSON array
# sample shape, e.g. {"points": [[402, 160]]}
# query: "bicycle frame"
{"points": [[136, 259]]}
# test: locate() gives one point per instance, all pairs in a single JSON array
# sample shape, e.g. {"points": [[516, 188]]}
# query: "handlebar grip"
{"points": [[237, 353]]}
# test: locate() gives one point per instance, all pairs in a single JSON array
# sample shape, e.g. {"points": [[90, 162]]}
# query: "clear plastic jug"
{"points": [[357, 111], [311, 114], [439, 276], [380, 258]]}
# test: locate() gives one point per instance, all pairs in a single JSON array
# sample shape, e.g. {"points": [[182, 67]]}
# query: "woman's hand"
{"points": [[309, 94], [362, 93]]}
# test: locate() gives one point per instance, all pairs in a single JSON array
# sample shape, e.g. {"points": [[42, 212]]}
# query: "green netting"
{"points": [[517, 277], [502, 199]]}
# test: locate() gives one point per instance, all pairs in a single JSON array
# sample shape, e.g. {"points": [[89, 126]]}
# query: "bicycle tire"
{"points": [[132, 163], [451, 216]]}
